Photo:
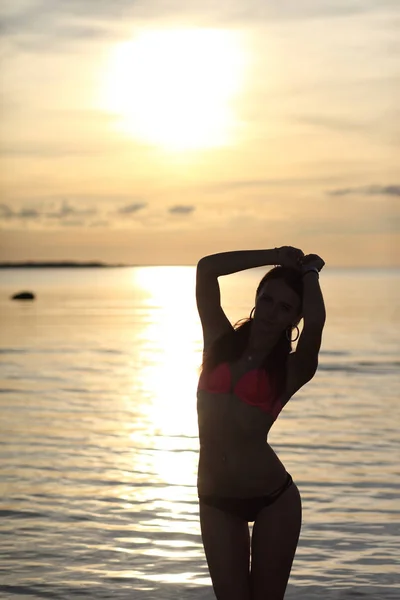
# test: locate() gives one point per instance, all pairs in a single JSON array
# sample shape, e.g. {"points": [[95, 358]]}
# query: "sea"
{"points": [[99, 437]]}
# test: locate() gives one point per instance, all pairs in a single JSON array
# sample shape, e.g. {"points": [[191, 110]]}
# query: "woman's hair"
{"points": [[230, 346]]}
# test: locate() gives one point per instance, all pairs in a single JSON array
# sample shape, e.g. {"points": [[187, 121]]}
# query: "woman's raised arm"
{"points": [[225, 263]]}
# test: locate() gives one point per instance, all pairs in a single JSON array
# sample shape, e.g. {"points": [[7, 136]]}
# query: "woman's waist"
{"points": [[232, 439], [242, 470], [239, 452]]}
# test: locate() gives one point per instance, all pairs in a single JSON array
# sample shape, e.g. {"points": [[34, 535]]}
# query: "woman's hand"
{"points": [[290, 257], [311, 260]]}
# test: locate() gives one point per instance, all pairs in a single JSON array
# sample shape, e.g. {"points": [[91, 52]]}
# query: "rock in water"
{"points": [[23, 296]]}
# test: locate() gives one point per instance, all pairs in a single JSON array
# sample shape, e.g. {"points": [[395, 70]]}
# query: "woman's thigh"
{"points": [[226, 541], [274, 541]]}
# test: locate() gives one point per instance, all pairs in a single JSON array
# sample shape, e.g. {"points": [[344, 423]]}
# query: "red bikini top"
{"points": [[253, 387]]}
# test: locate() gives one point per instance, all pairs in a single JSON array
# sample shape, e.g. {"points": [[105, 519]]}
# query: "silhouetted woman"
{"points": [[248, 375]]}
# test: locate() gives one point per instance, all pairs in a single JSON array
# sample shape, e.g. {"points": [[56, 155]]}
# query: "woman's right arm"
{"points": [[225, 263]]}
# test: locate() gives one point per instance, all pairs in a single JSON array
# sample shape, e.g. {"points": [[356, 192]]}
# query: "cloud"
{"points": [[41, 24], [331, 123], [28, 213], [50, 23], [276, 10], [7, 213], [42, 150], [233, 185], [181, 209], [131, 208], [371, 190], [65, 213], [47, 213]]}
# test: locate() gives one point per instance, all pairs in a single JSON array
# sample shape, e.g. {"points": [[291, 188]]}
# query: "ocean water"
{"points": [[99, 444]]}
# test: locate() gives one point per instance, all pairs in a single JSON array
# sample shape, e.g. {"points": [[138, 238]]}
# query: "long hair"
{"points": [[231, 346]]}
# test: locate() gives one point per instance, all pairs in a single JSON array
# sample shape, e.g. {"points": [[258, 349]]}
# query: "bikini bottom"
{"points": [[245, 508]]}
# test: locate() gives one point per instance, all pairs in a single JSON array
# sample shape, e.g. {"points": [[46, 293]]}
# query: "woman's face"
{"points": [[277, 307]]}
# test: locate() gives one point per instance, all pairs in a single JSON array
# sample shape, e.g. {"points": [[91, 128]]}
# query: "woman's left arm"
{"points": [[304, 361], [313, 301]]}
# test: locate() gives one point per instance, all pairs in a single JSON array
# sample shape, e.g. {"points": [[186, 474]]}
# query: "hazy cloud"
{"points": [[42, 150], [40, 24], [371, 190], [28, 13], [76, 213], [181, 209], [227, 186], [307, 9], [66, 210], [332, 123], [28, 213], [63, 213], [131, 208], [74, 223], [5, 212], [47, 22]]}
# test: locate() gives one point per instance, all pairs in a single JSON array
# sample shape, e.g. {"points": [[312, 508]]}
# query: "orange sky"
{"points": [[160, 133]]}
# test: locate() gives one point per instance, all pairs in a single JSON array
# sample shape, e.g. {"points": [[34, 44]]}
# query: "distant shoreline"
{"points": [[58, 265]]}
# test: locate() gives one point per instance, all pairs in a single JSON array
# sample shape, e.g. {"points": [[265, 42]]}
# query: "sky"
{"points": [[158, 132]]}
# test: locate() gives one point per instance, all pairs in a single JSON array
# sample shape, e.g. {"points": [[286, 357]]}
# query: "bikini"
{"points": [[254, 389]]}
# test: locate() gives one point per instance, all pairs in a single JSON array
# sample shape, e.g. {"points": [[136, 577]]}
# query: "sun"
{"points": [[177, 88]]}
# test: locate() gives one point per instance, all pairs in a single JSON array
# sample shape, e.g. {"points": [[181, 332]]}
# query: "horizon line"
{"points": [[103, 264]]}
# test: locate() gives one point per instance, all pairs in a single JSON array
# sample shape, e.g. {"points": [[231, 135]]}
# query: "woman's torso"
{"points": [[235, 458]]}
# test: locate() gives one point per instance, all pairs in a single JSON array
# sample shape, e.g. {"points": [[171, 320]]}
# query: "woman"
{"points": [[248, 375]]}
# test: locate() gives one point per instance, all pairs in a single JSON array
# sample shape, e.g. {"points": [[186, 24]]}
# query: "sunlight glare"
{"points": [[175, 88], [170, 378]]}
